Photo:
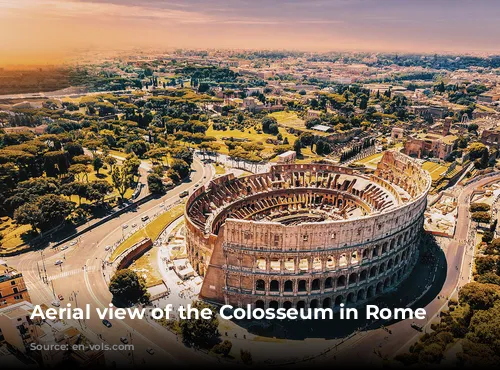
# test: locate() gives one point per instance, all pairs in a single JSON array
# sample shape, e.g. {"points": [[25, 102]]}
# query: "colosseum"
{"points": [[307, 235]]}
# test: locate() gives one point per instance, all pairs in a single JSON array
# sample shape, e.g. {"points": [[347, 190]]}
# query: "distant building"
{"points": [[435, 112], [19, 331], [313, 113], [287, 157], [491, 138], [397, 133], [12, 286], [430, 145], [489, 97]]}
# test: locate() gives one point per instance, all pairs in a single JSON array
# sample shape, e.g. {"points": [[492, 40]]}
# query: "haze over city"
{"points": [[50, 30]]}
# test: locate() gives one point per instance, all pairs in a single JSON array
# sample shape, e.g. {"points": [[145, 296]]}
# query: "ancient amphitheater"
{"points": [[307, 235]]}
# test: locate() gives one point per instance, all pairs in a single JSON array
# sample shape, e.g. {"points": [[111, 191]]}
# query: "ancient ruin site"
{"points": [[307, 235]]}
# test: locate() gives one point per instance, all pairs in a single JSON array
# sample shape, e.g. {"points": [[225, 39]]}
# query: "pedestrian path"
{"points": [[71, 273]]}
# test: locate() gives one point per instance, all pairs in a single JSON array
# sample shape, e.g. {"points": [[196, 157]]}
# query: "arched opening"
{"points": [[259, 304], [302, 286], [389, 264], [274, 304], [375, 251], [343, 260], [338, 300], [361, 295], [384, 248], [301, 304], [341, 281], [274, 286], [290, 264], [371, 292], [396, 262], [350, 298], [328, 283], [260, 285], [288, 286], [365, 253], [393, 243], [275, 265], [314, 303], [354, 258], [381, 269], [380, 288], [287, 305], [393, 279], [260, 264], [363, 275], [303, 264], [330, 262], [327, 303], [317, 263], [315, 285], [373, 271], [387, 283], [352, 278]]}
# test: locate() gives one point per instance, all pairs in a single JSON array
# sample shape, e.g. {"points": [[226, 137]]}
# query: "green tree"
{"points": [[297, 146], [46, 212], [246, 357], [155, 184], [198, 331], [128, 288], [479, 296], [98, 163], [223, 348], [122, 180]]}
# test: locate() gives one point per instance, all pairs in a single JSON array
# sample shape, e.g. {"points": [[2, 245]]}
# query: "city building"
{"points": [[12, 286], [429, 145], [307, 235], [287, 157], [491, 138]]}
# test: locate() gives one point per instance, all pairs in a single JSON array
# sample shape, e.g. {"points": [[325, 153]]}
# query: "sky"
{"points": [[33, 31]]}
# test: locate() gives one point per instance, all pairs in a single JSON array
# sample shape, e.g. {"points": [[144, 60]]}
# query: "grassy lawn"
{"points": [[219, 169], [152, 229], [291, 120], [11, 233], [146, 266], [371, 160], [435, 169]]}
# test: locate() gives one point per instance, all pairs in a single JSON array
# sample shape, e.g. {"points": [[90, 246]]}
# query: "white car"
{"points": [[125, 226], [134, 225], [107, 248], [73, 243], [56, 303], [64, 248], [58, 263]]}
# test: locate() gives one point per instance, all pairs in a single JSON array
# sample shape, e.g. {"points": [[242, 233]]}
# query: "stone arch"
{"points": [[373, 271], [328, 283], [338, 300], [288, 287], [393, 279], [393, 244], [387, 282], [301, 304], [274, 286], [361, 295], [317, 265], [341, 281], [289, 264], [351, 298], [384, 249], [389, 264], [287, 305], [380, 287], [260, 285], [274, 304], [381, 268], [371, 292], [314, 303], [260, 263], [363, 275], [343, 260], [315, 285], [302, 286], [330, 262], [353, 278], [275, 264], [376, 251], [366, 253], [354, 258], [260, 304]]}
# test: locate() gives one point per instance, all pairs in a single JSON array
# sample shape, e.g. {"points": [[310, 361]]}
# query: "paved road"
{"points": [[81, 275], [459, 257]]}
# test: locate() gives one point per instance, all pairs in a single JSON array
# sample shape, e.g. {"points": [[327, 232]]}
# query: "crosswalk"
{"points": [[71, 273]]}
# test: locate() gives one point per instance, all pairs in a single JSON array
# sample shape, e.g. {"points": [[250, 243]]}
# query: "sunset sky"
{"points": [[46, 30]]}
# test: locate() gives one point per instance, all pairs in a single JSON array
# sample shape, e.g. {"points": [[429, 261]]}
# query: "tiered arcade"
{"points": [[307, 235]]}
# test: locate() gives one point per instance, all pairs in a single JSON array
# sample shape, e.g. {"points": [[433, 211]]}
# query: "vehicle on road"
{"points": [[107, 248], [58, 263], [134, 225], [416, 327], [124, 340], [106, 323], [144, 218], [73, 243], [184, 194], [60, 296], [63, 248], [125, 226], [150, 350], [56, 303]]}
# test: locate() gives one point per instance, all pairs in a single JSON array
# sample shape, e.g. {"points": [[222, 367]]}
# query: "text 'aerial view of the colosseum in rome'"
{"points": [[307, 235]]}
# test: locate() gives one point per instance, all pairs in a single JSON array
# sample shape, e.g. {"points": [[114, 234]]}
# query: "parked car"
{"points": [[107, 248], [106, 323], [124, 340], [63, 248], [58, 263], [56, 303], [60, 296], [73, 243], [144, 218], [184, 194]]}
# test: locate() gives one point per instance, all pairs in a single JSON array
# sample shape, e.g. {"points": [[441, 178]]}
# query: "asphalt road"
{"points": [[80, 280]]}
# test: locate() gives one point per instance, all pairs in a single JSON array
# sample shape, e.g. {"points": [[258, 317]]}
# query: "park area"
{"points": [[436, 170]]}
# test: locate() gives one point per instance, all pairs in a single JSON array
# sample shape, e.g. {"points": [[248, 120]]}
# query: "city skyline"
{"points": [[51, 30]]}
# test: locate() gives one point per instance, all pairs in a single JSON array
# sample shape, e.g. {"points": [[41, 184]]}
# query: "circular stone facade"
{"points": [[307, 235]]}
